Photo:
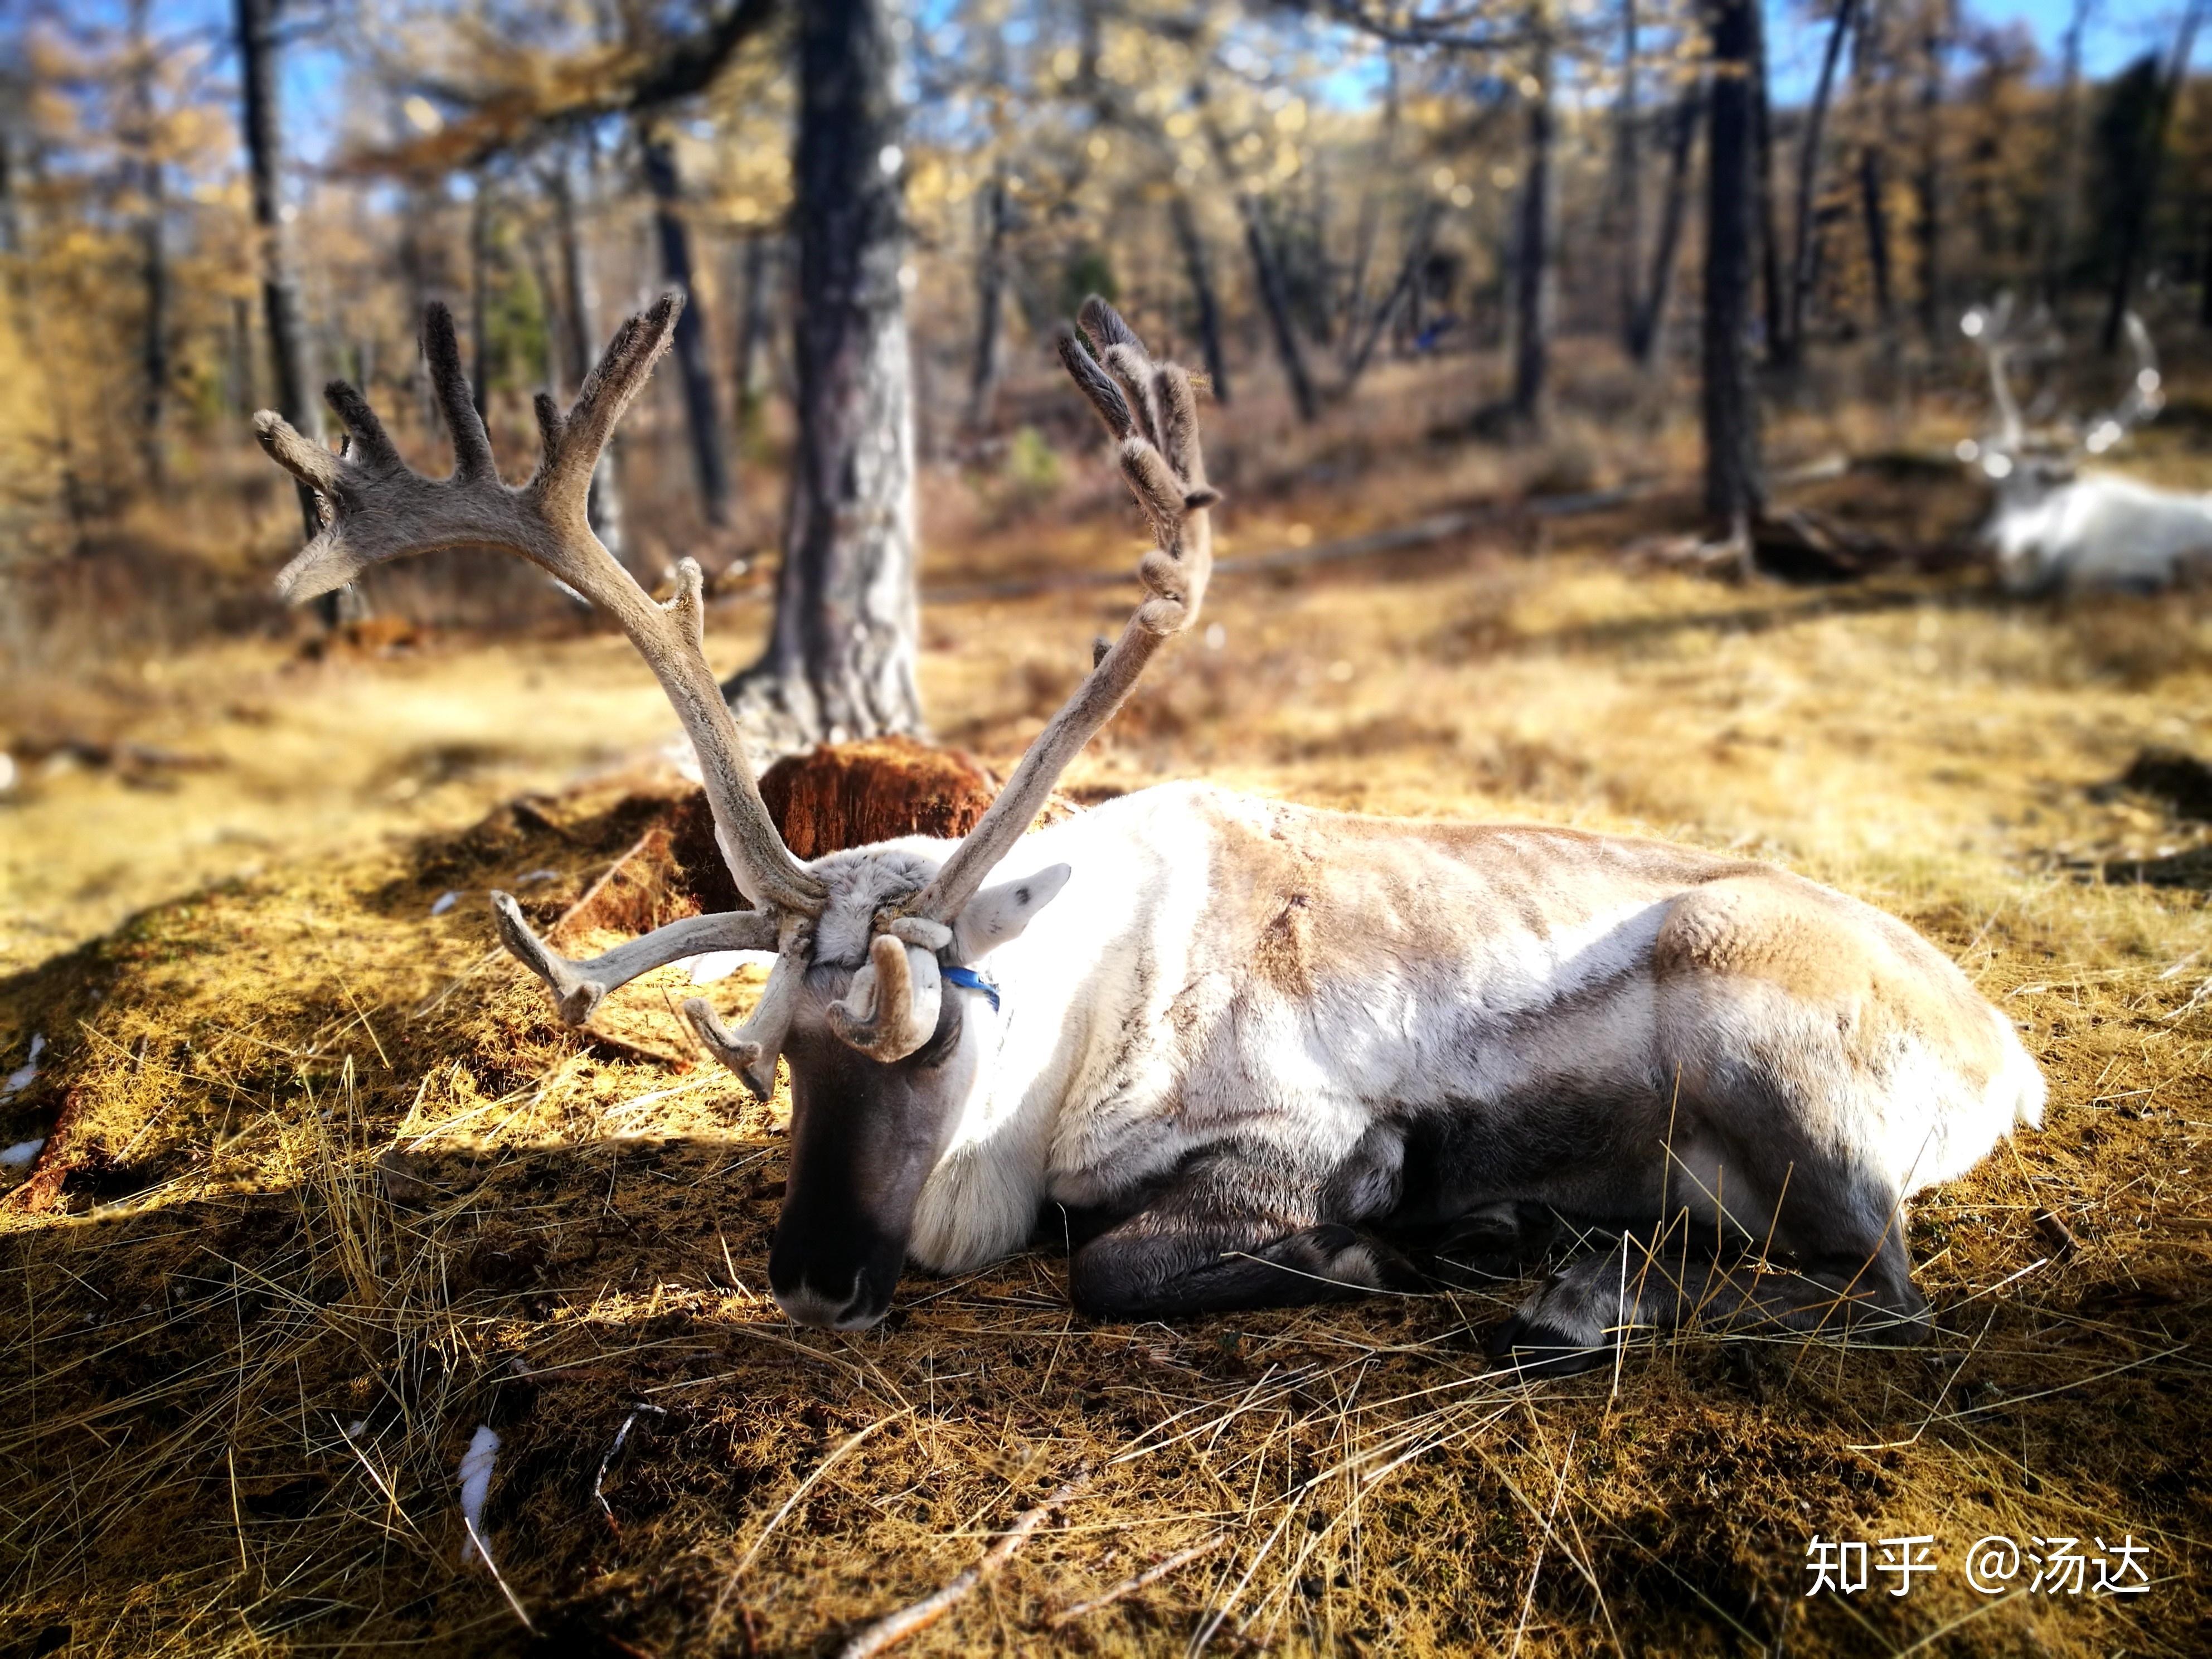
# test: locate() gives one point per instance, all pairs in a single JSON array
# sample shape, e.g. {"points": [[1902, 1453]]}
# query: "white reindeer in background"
{"points": [[1240, 1052], [2055, 527]]}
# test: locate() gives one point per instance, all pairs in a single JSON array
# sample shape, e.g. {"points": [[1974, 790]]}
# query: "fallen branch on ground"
{"points": [[893, 1628]]}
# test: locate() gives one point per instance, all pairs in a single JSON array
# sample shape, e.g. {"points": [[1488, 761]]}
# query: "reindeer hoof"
{"points": [[1534, 1350]]}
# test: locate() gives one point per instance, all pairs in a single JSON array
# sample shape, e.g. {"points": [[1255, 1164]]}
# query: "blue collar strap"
{"points": [[969, 978]]}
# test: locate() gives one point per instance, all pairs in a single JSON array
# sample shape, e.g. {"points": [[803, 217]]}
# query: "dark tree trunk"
{"points": [[579, 341], [1198, 271], [702, 418], [1874, 211], [1770, 274], [1651, 312], [1735, 488], [757, 280], [1627, 181], [992, 206], [2135, 225], [2204, 282], [1531, 255], [154, 263], [1806, 251], [257, 50], [1409, 273], [2063, 186], [840, 658], [1875, 214], [1929, 186], [1275, 299]]}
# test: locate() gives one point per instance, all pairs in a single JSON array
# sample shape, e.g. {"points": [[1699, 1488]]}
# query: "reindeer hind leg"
{"points": [[1767, 1231]]}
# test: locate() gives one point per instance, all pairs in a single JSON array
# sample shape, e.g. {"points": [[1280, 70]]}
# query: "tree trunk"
{"points": [[1873, 210], [1628, 183], [2135, 229], [702, 418], [1532, 254], [1198, 271], [580, 337], [257, 50], [1805, 253], [1929, 186], [154, 264], [1771, 275], [2204, 282], [839, 662], [2055, 228], [1409, 272], [1651, 313], [1735, 489], [990, 302], [1274, 297], [750, 371]]}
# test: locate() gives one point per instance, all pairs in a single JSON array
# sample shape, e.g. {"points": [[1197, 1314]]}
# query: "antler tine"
{"points": [[578, 988], [1123, 354], [891, 1008], [1172, 490], [2142, 399], [1105, 325], [1095, 384], [750, 1051], [605, 396], [379, 509], [1987, 329], [457, 399]]}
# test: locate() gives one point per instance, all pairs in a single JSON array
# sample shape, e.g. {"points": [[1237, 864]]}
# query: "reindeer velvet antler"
{"points": [[381, 509], [1151, 411]]}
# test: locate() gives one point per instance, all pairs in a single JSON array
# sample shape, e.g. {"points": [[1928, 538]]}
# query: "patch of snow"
{"points": [[28, 1074], [21, 1153], [445, 902]]}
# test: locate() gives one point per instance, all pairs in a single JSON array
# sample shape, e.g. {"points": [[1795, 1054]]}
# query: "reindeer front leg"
{"points": [[1234, 1227]]}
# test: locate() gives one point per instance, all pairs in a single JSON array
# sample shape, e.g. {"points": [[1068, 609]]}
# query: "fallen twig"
{"points": [[53, 1164], [622, 1435], [892, 1629], [1131, 1585]]}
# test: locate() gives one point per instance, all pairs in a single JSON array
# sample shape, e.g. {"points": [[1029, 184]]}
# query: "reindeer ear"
{"points": [[998, 913]]}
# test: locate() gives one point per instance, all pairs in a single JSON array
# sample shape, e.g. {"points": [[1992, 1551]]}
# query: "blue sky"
{"points": [[2118, 32]]}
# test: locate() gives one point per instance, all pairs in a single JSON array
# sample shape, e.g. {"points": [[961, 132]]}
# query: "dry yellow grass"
{"points": [[237, 1375]]}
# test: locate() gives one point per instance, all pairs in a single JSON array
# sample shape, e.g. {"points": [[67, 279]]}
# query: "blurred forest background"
{"points": [[1433, 258], [205, 211]]}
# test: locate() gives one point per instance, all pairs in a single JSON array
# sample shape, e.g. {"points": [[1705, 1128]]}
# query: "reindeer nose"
{"points": [[809, 1306]]}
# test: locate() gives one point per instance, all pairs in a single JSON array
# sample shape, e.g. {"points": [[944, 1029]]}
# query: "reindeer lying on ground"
{"points": [[1242, 1045], [2054, 526]]}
